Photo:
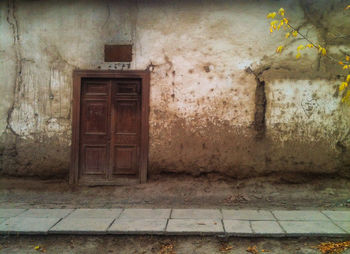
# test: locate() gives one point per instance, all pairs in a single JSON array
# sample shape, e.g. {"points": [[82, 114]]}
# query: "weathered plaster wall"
{"points": [[221, 99]]}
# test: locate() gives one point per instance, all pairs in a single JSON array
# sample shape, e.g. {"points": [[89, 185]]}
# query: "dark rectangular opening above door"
{"points": [[110, 127]]}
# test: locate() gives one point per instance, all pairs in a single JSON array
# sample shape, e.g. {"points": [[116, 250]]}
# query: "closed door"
{"points": [[110, 121]]}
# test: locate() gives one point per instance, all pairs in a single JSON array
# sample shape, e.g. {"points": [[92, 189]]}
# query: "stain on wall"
{"points": [[221, 99]]}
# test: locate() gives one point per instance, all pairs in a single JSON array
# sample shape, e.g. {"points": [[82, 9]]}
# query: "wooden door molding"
{"points": [[78, 75]]}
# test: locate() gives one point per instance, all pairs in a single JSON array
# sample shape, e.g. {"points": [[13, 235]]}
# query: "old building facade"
{"points": [[221, 99]]}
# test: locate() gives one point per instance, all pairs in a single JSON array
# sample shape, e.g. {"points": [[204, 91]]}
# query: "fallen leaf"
{"points": [[253, 250], [332, 247], [225, 247], [39, 248], [167, 248]]}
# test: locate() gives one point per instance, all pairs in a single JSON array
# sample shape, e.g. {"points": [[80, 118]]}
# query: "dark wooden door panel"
{"points": [[131, 87], [94, 159], [94, 129], [125, 160], [94, 117], [110, 147], [126, 116], [95, 87], [110, 128]]}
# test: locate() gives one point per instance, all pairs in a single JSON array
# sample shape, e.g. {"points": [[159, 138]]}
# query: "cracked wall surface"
{"points": [[221, 101]]}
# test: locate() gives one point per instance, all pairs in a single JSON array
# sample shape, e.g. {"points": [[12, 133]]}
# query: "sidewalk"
{"points": [[222, 222]]}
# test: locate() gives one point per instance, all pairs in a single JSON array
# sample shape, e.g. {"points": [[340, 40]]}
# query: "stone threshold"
{"points": [[133, 221]]}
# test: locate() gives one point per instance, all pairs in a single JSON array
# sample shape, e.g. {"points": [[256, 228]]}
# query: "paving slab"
{"points": [[96, 213], [344, 225], [135, 213], [247, 222], [82, 226], [6, 213], [138, 226], [338, 215], [237, 227], [300, 215], [267, 228], [46, 213], [2, 220], [27, 225], [247, 215], [311, 228], [196, 214], [194, 226]]}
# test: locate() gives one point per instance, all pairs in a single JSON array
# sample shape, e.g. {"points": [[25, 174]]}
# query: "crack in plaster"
{"points": [[13, 22], [259, 123], [341, 146]]}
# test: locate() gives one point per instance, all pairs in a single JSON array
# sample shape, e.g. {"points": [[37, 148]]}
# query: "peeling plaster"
{"points": [[221, 99]]}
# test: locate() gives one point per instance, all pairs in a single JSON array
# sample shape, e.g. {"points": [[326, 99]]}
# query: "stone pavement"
{"points": [[223, 222]]}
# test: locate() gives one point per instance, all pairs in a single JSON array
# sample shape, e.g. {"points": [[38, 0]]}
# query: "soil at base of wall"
{"points": [[158, 245], [182, 191]]}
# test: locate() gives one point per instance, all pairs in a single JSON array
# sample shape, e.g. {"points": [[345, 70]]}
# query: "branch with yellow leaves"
{"points": [[283, 22]]}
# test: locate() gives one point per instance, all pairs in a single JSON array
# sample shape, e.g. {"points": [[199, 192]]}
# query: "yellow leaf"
{"points": [[37, 247], [324, 52], [347, 7], [300, 47], [319, 49], [347, 58], [271, 15], [281, 12], [345, 67], [273, 22], [341, 63], [271, 30], [287, 35], [310, 45], [279, 49], [348, 78], [298, 55], [285, 20], [342, 86], [346, 97], [295, 33], [279, 26]]}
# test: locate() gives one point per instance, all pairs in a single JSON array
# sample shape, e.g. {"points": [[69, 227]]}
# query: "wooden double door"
{"points": [[110, 131]]}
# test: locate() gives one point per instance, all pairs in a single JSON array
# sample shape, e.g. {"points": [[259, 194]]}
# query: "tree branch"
{"points": [[312, 43]]}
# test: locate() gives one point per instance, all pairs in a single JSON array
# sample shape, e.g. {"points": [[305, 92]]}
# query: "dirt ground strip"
{"points": [[157, 245], [182, 191]]}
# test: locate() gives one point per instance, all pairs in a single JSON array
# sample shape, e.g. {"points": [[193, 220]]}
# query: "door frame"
{"points": [[78, 75]]}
